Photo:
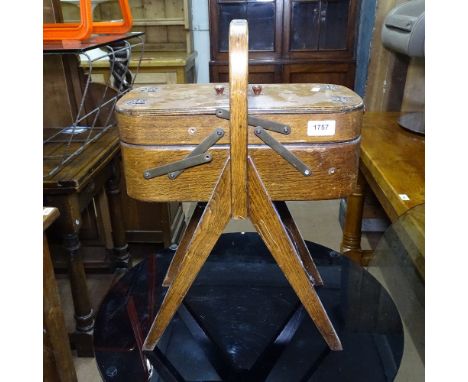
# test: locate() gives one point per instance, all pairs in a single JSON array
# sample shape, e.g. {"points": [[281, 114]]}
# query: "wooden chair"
{"points": [[237, 179], [58, 362]]}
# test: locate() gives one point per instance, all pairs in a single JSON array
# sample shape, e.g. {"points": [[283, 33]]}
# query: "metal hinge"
{"points": [[197, 157], [261, 125], [283, 151], [254, 121]]}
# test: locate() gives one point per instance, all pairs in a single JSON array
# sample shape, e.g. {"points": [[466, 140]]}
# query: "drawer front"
{"points": [[172, 130], [334, 169], [154, 78]]}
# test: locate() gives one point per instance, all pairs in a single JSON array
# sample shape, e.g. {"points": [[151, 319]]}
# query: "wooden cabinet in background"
{"points": [[290, 41]]}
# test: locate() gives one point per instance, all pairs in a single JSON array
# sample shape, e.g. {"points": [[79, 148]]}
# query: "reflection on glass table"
{"points": [[241, 321], [398, 263]]}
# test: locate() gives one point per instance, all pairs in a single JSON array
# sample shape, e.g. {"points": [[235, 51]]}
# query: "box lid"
{"points": [[190, 99]]}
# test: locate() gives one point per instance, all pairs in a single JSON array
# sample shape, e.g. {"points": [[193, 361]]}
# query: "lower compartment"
{"points": [[334, 169]]}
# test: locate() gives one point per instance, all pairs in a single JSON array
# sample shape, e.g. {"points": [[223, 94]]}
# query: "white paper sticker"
{"points": [[46, 211], [404, 197], [321, 128]]}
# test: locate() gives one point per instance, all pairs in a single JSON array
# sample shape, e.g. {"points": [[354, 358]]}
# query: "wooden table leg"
{"points": [[266, 220], [298, 240], [216, 215], [351, 243], [82, 339], [184, 242], [54, 322], [70, 222], [122, 258]]}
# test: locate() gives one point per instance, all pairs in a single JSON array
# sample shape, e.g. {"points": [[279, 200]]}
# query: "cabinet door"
{"points": [[258, 74], [319, 28], [265, 21], [326, 72]]}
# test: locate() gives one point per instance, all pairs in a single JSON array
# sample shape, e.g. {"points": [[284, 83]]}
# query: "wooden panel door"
{"points": [[265, 23], [319, 29]]}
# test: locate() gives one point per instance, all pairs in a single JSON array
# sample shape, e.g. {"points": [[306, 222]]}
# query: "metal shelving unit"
{"points": [[62, 145]]}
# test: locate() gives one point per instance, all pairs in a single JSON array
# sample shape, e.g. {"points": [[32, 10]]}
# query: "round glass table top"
{"points": [[399, 264], [241, 321]]}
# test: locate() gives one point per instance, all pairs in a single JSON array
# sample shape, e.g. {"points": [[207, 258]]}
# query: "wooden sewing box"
{"points": [[163, 124], [244, 150]]}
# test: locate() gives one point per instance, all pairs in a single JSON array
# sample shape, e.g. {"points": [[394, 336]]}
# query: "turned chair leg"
{"points": [[351, 242], [122, 258], [82, 339]]}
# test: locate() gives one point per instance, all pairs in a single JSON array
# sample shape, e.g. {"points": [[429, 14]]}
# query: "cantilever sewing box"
{"points": [[245, 150]]}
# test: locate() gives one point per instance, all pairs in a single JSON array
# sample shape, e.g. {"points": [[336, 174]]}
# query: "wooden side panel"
{"points": [[181, 130], [334, 172], [58, 111], [258, 74], [387, 70], [327, 72]]}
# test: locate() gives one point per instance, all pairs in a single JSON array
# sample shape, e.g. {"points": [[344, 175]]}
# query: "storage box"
{"points": [[163, 124]]}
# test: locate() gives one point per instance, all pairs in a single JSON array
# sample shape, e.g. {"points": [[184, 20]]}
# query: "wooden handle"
{"points": [[238, 83]]}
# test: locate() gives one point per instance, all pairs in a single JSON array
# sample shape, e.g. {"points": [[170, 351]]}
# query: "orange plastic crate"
{"points": [[116, 27], [82, 30], [71, 31]]}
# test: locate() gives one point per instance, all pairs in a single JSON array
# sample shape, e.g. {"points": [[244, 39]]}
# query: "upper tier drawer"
{"points": [[185, 114]]}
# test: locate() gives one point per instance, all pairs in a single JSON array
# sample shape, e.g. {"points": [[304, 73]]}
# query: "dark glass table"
{"points": [[399, 262], [241, 321]]}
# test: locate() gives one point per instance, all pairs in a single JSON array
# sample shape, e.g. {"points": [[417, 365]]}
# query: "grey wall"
{"points": [[201, 39]]}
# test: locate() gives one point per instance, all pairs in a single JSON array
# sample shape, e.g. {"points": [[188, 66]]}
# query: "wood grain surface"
{"points": [[53, 319], [393, 163], [334, 172], [192, 99], [268, 224], [238, 81], [180, 130], [216, 215], [81, 169], [183, 245]]}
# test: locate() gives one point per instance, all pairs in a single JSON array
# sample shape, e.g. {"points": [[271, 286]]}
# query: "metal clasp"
{"points": [[254, 121], [283, 151], [198, 156], [261, 125]]}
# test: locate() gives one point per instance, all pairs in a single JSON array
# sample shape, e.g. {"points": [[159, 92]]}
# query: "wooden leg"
{"points": [[184, 242], [351, 243], [54, 322], [297, 239], [122, 256], [216, 215], [268, 224], [70, 222], [84, 315]]}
